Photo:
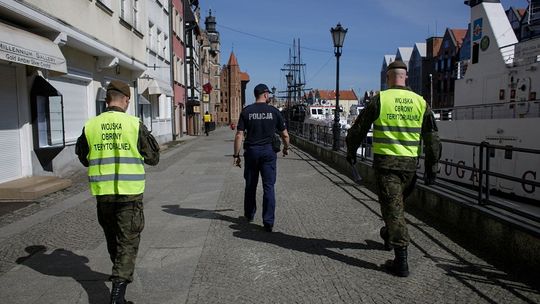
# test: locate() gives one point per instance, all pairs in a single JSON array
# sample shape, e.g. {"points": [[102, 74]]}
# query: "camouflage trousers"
{"points": [[122, 223], [390, 185]]}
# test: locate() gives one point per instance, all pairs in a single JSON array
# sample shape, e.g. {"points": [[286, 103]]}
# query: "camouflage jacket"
{"points": [[147, 146], [358, 132]]}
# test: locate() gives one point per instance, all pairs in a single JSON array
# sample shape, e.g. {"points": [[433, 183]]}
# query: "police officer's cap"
{"points": [[398, 64], [260, 89], [119, 86]]}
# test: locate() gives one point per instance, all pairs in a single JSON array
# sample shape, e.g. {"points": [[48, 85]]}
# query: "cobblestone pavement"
{"points": [[197, 249]]}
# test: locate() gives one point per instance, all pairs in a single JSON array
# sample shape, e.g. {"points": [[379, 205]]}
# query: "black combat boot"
{"points": [[118, 293], [384, 235], [399, 266]]}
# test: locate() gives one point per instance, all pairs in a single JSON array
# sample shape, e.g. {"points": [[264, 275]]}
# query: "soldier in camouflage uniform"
{"points": [[114, 146], [400, 118]]}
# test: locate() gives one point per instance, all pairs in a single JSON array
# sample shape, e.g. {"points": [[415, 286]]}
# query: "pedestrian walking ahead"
{"points": [[207, 118], [259, 121], [400, 119], [114, 146]]}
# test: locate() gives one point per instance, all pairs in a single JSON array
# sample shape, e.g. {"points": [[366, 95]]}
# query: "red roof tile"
{"points": [[459, 35], [343, 95], [244, 76]]}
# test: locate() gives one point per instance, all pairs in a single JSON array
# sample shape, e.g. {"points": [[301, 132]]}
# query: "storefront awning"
{"points": [[23, 47], [154, 87]]}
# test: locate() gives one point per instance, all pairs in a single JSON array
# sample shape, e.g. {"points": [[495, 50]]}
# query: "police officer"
{"points": [[114, 146], [260, 121], [400, 119], [207, 118]]}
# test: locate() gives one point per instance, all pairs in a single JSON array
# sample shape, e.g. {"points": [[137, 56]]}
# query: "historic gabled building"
{"points": [[446, 68], [433, 44], [386, 61], [232, 92], [404, 54], [192, 32], [417, 69], [210, 67], [178, 65]]}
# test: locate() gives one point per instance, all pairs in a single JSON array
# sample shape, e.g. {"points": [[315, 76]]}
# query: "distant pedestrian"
{"points": [[259, 121], [207, 118], [114, 146], [400, 119]]}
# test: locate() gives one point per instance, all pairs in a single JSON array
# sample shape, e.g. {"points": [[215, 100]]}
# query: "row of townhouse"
{"points": [[57, 57], [435, 64]]}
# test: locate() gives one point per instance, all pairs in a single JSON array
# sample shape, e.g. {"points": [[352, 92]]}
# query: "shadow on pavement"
{"points": [[460, 268], [249, 231], [65, 263]]}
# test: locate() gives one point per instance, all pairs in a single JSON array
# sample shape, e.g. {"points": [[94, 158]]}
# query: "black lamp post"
{"points": [[338, 36], [273, 95], [289, 85]]}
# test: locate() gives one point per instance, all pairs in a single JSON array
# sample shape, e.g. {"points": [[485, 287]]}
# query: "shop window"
{"points": [[47, 121]]}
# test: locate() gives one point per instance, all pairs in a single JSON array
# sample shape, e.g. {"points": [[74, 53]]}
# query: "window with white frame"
{"points": [[180, 27], [107, 3], [126, 11], [151, 36], [166, 47], [159, 43], [136, 24]]}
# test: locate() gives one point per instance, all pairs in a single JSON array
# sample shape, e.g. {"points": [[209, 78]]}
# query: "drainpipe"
{"points": [[172, 61]]}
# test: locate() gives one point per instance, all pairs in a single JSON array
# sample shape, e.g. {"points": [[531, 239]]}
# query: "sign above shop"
{"points": [[23, 47]]}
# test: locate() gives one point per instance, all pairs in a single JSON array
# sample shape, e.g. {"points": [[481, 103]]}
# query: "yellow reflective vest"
{"points": [[397, 130], [207, 117], [115, 163]]}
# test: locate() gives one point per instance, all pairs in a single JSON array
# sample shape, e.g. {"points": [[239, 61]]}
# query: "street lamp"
{"points": [[289, 85], [431, 91], [273, 95], [338, 36]]}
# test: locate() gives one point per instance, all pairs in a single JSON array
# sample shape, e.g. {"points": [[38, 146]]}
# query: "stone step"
{"points": [[31, 188]]}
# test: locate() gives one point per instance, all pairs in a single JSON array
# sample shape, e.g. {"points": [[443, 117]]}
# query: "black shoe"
{"points": [[399, 266], [118, 292], [248, 219], [268, 227]]}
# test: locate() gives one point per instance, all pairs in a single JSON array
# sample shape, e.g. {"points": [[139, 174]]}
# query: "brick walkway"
{"points": [[197, 249]]}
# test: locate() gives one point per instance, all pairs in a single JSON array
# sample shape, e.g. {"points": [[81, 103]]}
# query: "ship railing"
{"points": [[480, 190], [481, 173], [519, 54], [521, 109]]}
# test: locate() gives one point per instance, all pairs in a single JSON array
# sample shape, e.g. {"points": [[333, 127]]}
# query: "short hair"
{"points": [[113, 95], [397, 72]]}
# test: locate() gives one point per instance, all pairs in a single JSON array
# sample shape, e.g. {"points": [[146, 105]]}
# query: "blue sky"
{"points": [[375, 28]]}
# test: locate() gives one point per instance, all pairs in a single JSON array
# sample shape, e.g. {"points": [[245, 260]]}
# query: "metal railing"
{"points": [[482, 154], [522, 109]]}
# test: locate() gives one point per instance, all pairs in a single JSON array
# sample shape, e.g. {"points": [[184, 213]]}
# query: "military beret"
{"points": [[119, 86], [398, 64]]}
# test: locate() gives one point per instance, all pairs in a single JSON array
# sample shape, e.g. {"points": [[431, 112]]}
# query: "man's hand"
{"points": [[237, 161], [429, 177], [351, 158], [285, 151]]}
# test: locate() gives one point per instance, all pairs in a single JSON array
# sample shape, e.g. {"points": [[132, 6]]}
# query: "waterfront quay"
{"points": [[196, 247]]}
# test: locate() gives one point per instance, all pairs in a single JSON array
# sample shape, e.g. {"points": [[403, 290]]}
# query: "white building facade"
{"points": [[54, 67], [155, 86]]}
